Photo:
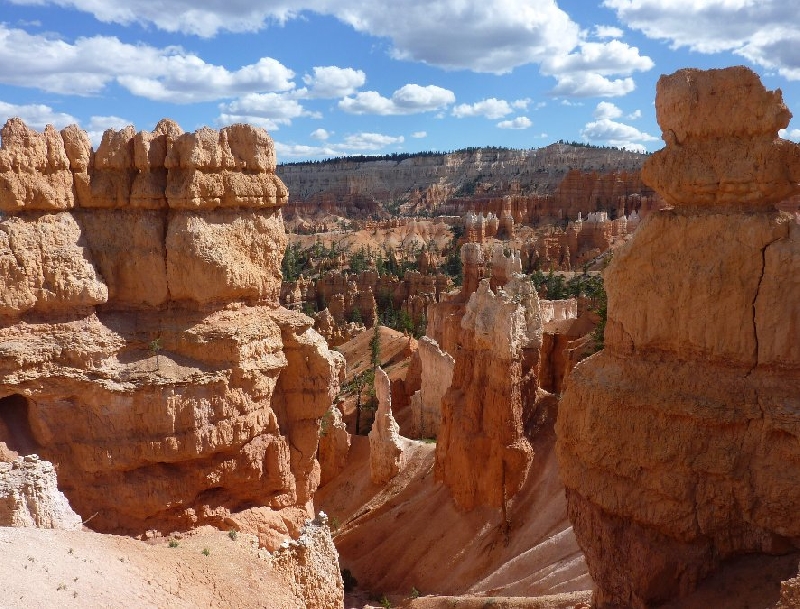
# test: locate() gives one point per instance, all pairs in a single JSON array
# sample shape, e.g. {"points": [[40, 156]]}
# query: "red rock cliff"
{"points": [[678, 443]]}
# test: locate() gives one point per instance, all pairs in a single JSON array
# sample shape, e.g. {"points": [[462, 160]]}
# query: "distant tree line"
{"points": [[362, 158], [402, 156]]}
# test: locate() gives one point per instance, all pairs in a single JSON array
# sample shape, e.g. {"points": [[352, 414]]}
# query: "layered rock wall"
{"points": [[528, 186], [142, 346], [678, 443]]}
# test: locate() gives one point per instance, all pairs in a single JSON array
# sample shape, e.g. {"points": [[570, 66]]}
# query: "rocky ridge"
{"points": [[556, 181], [678, 443]]}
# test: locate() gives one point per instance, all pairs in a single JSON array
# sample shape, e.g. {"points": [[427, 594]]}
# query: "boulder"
{"points": [[29, 496]]}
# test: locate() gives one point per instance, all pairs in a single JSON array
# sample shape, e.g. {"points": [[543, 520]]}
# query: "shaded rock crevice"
{"points": [[755, 298]]}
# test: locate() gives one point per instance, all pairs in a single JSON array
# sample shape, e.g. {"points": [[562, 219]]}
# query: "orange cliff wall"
{"points": [[140, 328]]}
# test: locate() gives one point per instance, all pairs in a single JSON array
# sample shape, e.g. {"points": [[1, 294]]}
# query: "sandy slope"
{"points": [[43, 568], [395, 349], [410, 535]]}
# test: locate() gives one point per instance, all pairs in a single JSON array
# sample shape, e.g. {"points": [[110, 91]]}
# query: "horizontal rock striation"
{"points": [[678, 443], [142, 345]]}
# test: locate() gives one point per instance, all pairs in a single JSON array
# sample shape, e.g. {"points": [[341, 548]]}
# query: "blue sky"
{"points": [[339, 77]]}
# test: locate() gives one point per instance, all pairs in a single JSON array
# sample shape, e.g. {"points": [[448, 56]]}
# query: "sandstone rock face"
{"points": [[225, 255], [34, 169], [721, 153], [437, 375], [482, 453], [386, 446], [233, 167], [142, 345], [334, 445], [29, 496], [310, 565], [678, 443], [47, 266]]}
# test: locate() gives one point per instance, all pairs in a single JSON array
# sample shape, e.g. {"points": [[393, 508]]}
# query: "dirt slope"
{"points": [[45, 568]]}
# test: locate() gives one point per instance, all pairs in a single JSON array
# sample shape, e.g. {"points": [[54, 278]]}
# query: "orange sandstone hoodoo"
{"points": [[678, 443]]}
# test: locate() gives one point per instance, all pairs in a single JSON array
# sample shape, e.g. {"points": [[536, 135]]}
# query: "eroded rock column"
{"points": [[679, 442], [482, 453]]}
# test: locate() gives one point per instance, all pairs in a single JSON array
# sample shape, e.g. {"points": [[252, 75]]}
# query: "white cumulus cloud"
{"points": [[409, 99], [790, 134], [591, 71], [489, 108], [490, 37], [484, 37], [605, 131], [359, 143], [331, 82], [267, 110], [592, 85], [321, 134], [370, 141], [606, 110], [521, 122], [764, 32], [607, 31], [90, 64], [197, 17]]}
